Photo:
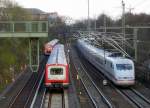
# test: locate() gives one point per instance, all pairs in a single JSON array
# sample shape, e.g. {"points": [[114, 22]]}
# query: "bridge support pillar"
{"points": [[34, 54]]}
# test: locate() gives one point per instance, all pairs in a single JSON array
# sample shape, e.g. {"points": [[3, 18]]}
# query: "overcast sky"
{"points": [[77, 9]]}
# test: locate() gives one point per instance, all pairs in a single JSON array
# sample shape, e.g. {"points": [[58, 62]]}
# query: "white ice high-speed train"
{"points": [[118, 69]]}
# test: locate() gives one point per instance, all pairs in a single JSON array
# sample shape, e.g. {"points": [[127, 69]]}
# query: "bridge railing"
{"points": [[23, 28]]}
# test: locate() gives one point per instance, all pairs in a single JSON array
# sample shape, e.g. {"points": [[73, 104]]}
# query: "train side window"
{"points": [[111, 65]]}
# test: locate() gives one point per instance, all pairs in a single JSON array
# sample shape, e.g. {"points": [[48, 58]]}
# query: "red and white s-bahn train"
{"points": [[118, 69], [57, 70], [49, 46]]}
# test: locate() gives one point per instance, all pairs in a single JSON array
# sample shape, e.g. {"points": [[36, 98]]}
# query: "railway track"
{"points": [[22, 99], [135, 97], [142, 75], [55, 99], [39, 99], [96, 96], [25, 96]]}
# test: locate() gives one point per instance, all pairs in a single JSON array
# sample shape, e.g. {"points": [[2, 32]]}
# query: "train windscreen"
{"points": [[124, 66], [56, 71]]}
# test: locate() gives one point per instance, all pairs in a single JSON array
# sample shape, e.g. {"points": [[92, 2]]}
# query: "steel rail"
{"points": [[43, 98], [20, 92], [85, 78], [27, 90], [136, 98], [55, 99]]}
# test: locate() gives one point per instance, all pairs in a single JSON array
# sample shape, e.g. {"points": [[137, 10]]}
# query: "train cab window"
{"points": [[111, 65], [56, 71], [124, 66], [115, 54]]}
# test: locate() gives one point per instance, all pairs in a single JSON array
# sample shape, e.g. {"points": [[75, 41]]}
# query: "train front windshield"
{"points": [[56, 71], [124, 66]]}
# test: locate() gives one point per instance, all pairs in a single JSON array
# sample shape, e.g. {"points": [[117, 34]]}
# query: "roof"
{"points": [[99, 52], [53, 42], [57, 55]]}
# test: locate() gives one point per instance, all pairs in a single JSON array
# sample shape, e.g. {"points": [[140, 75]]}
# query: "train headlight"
{"points": [[105, 82]]}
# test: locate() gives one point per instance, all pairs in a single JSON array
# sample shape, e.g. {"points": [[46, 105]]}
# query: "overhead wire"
{"points": [[139, 3]]}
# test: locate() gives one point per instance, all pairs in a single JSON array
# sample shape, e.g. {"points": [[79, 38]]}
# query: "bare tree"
{"points": [[10, 10]]}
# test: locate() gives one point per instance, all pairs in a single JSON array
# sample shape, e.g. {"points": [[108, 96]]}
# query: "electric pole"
{"points": [[89, 25], [135, 44], [104, 23], [123, 23], [95, 22], [130, 9]]}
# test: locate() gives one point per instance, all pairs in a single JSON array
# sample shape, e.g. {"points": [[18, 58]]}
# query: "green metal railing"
{"points": [[23, 28]]}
